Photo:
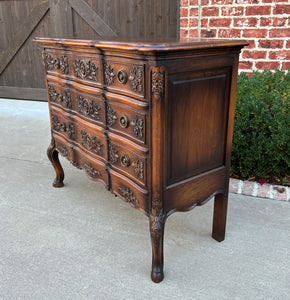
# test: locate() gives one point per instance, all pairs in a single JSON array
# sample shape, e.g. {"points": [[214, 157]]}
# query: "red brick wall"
{"points": [[264, 24]]}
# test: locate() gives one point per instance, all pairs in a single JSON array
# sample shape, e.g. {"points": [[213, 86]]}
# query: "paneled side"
{"points": [[197, 123]]}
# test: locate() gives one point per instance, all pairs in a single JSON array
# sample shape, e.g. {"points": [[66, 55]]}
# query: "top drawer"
{"points": [[82, 67], [124, 76], [119, 75]]}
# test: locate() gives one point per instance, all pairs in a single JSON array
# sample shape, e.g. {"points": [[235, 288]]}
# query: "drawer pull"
{"points": [[122, 76], [124, 122], [125, 160]]}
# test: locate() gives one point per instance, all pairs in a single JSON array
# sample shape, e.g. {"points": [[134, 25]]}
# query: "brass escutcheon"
{"points": [[125, 160], [122, 76], [124, 121]]}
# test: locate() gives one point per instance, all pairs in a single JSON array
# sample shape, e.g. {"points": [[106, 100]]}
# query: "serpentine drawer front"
{"points": [[152, 121]]}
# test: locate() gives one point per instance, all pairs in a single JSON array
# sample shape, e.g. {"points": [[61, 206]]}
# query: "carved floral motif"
{"points": [[137, 124], [87, 107], [59, 126], [138, 168], [108, 73], [91, 171], [156, 218], [63, 150], [67, 99], [157, 83], [128, 194], [52, 93], [113, 154], [51, 63], [136, 79], [85, 69], [63, 64], [54, 96], [111, 116], [91, 143], [48, 61]]}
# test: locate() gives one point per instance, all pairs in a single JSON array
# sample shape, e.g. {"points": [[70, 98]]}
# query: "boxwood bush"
{"points": [[261, 142]]}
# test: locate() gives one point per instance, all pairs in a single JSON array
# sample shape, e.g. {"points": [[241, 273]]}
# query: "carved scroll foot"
{"points": [[157, 232], [52, 154], [220, 217]]}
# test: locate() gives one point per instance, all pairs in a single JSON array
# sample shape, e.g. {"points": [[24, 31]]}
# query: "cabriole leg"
{"points": [[52, 154], [220, 217], [157, 233]]}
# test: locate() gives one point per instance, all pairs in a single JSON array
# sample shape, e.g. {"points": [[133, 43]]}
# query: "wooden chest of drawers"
{"points": [[152, 121]]}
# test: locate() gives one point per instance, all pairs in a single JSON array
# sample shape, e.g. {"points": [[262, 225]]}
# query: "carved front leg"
{"points": [[52, 154], [157, 222]]}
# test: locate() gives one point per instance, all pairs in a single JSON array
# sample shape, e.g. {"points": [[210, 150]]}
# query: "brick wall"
{"points": [[264, 24]]}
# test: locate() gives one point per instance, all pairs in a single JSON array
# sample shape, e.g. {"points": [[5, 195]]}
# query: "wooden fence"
{"points": [[21, 70]]}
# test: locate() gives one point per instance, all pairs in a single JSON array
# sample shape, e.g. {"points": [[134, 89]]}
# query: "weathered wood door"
{"points": [[21, 71]]}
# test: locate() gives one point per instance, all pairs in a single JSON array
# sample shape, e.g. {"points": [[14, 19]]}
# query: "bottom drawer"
{"points": [[128, 191], [94, 169]]}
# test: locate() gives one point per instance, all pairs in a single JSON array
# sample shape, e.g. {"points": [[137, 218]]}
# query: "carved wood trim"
{"points": [[136, 79], [59, 126], [128, 194], [156, 218], [88, 107], [85, 69], [157, 83], [91, 143]]}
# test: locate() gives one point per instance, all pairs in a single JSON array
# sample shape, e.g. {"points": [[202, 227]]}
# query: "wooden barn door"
{"points": [[21, 70]]}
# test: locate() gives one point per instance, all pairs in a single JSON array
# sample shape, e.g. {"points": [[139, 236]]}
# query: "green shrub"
{"points": [[261, 142]]}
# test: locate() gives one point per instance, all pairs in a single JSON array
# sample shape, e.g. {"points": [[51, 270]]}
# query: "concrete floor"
{"points": [[80, 242]]}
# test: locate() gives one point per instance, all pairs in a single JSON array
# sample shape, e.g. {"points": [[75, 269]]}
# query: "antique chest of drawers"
{"points": [[152, 121]]}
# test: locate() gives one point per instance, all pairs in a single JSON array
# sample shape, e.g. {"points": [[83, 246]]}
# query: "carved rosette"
{"points": [[85, 69], [138, 168], [137, 124], [63, 150], [157, 83], [136, 79], [111, 116], [128, 194], [91, 143], [109, 75], [63, 64], [113, 154], [91, 171], [156, 218], [87, 107]]}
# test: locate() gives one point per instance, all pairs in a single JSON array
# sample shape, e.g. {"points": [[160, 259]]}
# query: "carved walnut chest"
{"points": [[151, 120]]}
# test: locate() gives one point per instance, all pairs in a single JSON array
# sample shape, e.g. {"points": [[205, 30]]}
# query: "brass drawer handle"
{"points": [[125, 160], [124, 122], [122, 76]]}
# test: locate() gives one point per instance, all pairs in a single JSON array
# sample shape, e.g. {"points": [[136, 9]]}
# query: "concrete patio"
{"points": [[80, 242]]}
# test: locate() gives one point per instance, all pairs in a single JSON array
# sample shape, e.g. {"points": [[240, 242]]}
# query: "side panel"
{"points": [[197, 120]]}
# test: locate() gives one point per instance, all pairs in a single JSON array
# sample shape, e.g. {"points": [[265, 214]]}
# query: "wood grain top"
{"points": [[146, 45]]}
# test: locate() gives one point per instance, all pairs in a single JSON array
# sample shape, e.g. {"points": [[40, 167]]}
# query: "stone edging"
{"points": [[251, 188]]}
